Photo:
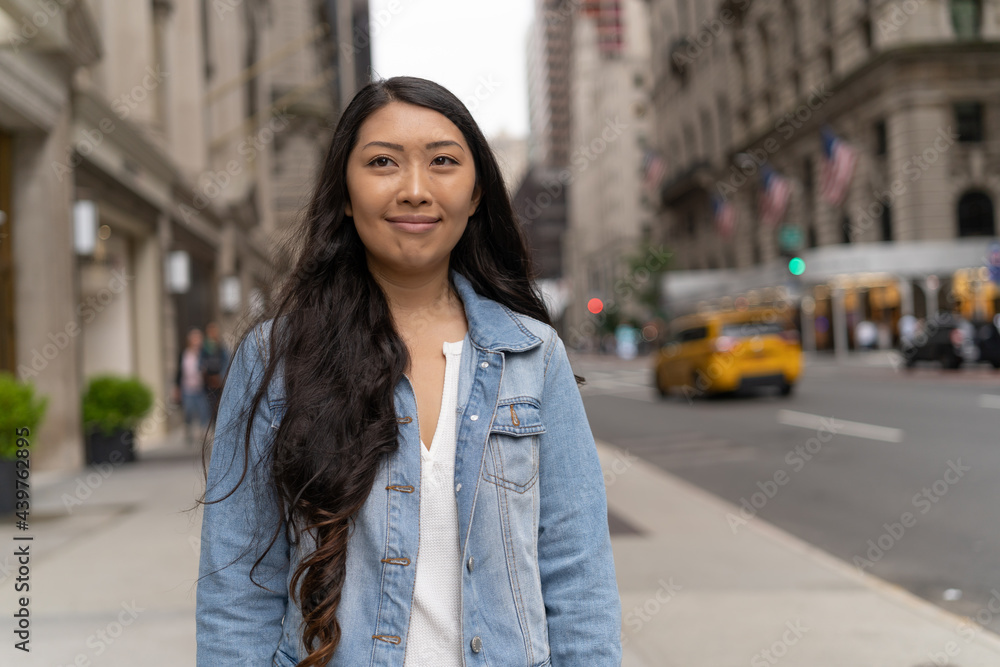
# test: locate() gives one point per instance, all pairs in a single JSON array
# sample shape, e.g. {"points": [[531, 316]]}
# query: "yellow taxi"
{"points": [[730, 350]]}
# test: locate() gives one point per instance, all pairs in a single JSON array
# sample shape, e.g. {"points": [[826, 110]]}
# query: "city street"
{"points": [[901, 483]]}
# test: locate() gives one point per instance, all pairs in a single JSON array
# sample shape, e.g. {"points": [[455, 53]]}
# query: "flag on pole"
{"points": [[775, 192], [838, 167], [724, 215], [654, 168]]}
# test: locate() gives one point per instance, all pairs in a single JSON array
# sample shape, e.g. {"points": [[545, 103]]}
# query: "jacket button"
{"points": [[485, 364], [473, 417], [471, 564], [477, 644]]}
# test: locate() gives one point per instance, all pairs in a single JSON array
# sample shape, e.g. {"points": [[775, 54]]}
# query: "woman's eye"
{"points": [[380, 161], [441, 160]]}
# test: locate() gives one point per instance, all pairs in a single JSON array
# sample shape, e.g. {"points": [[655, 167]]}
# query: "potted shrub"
{"points": [[19, 409], [112, 408]]}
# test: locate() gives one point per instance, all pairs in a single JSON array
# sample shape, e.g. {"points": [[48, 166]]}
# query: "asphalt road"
{"points": [[893, 471]]}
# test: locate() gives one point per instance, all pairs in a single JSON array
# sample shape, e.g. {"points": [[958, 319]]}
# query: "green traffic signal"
{"points": [[796, 266]]}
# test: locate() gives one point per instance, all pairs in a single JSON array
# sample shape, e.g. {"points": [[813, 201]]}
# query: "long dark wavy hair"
{"points": [[342, 356]]}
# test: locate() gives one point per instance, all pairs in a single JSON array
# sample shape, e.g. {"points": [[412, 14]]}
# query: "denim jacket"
{"points": [[538, 581]]}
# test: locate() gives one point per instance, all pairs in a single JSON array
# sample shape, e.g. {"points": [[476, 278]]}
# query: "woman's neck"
{"points": [[421, 300]]}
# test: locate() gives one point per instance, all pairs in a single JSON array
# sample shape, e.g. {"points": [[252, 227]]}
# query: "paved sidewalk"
{"points": [[114, 561], [115, 558], [694, 593]]}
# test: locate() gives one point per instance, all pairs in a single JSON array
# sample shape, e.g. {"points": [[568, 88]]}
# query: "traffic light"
{"points": [[796, 266]]}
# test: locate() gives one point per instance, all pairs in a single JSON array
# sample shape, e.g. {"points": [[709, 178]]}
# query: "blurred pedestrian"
{"points": [[335, 525], [215, 361], [865, 335], [189, 387]]}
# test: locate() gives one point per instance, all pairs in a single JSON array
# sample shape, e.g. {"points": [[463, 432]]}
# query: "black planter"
{"points": [[119, 447], [8, 475]]}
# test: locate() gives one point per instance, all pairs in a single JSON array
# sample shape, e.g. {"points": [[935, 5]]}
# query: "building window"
{"points": [[811, 237], [206, 40], [886, 222], [866, 33], [707, 135], [690, 148], [724, 122], [966, 18], [975, 215], [845, 228], [881, 139], [765, 49], [969, 119]]}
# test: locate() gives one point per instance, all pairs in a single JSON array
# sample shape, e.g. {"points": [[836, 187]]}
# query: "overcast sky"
{"points": [[475, 48]]}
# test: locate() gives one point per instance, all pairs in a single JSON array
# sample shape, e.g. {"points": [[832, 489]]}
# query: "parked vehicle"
{"points": [[946, 338], [728, 351], [988, 343]]}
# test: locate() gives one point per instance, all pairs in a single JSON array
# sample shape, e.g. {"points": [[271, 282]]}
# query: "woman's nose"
{"points": [[415, 187]]}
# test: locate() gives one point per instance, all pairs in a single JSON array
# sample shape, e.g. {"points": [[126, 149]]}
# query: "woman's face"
{"points": [[411, 183]]}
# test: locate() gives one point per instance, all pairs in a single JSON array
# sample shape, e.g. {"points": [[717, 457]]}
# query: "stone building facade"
{"points": [[151, 155], [913, 87]]}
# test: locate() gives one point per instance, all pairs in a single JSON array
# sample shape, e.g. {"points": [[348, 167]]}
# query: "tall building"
{"points": [[539, 198], [549, 67], [910, 89], [151, 154], [609, 216]]}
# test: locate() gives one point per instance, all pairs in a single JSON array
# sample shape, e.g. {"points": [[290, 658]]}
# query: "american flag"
{"points": [[838, 167], [724, 215], [654, 168], [774, 196]]}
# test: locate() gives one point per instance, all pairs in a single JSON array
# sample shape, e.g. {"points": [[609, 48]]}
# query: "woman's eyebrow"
{"points": [[399, 147]]}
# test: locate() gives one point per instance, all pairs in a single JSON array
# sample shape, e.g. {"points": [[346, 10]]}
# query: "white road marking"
{"points": [[840, 426], [989, 401]]}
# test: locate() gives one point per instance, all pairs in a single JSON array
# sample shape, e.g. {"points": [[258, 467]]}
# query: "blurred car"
{"points": [[988, 343], [729, 351], [947, 338]]}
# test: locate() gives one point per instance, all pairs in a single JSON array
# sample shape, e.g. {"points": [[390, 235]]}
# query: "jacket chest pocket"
{"points": [[512, 456]]}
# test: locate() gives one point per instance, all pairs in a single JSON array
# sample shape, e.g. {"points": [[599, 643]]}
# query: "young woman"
{"points": [[403, 472]]}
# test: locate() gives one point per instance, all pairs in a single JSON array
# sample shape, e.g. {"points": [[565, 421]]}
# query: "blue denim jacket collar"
{"points": [[492, 326]]}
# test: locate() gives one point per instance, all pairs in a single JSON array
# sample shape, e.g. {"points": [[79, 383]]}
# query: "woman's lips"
{"points": [[413, 223]]}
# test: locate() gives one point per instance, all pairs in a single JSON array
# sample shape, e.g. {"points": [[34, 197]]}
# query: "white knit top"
{"points": [[434, 638]]}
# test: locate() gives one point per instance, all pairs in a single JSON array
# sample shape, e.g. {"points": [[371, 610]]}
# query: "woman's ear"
{"points": [[348, 211], [477, 194]]}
